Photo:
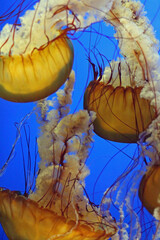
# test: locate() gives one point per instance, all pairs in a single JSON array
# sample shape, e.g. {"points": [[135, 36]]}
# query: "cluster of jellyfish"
{"points": [[121, 104]]}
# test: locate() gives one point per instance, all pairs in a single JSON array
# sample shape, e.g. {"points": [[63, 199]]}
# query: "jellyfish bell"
{"points": [[149, 189], [23, 219], [30, 77], [36, 57], [121, 112]]}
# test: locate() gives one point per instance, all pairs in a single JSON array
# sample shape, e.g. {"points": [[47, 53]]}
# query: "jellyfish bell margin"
{"points": [[31, 77]]}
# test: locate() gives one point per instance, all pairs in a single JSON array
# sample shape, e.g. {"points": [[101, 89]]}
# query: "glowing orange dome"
{"points": [[121, 113], [23, 219], [30, 77], [149, 189]]}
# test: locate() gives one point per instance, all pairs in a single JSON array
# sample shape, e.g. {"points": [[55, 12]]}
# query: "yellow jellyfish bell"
{"points": [[149, 189], [23, 219], [121, 113], [30, 77]]}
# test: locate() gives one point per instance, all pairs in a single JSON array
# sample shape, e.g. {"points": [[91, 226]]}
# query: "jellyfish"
{"points": [[121, 113], [29, 221], [36, 76], [58, 209], [32, 73], [118, 96], [34, 66], [149, 193]]}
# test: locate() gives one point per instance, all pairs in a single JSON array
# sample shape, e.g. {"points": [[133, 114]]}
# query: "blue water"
{"points": [[103, 152]]}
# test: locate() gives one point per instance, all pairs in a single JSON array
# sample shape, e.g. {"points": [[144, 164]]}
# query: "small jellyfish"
{"points": [[149, 189], [121, 112]]}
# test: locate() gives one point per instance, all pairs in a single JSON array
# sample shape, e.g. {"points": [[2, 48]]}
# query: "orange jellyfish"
{"points": [[149, 189], [124, 98], [36, 56], [30, 77], [24, 219], [121, 113]]}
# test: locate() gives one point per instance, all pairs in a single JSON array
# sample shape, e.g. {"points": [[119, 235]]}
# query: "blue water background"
{"points": [[12, 113]]}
